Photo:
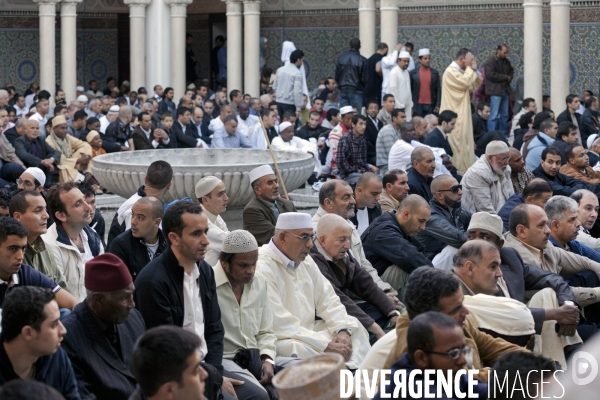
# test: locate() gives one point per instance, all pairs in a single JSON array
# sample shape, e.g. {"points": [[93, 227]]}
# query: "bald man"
{"points": [[331, 254], [390, 244], [420, 128], [448, 223]]}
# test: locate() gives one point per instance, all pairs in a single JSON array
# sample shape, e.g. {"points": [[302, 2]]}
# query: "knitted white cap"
{"points": [[496, 147], [284, 125], [259, 172], [113, 110], [239, 241], [294, 220], [487, 221], [206, 185], [38, 174]]}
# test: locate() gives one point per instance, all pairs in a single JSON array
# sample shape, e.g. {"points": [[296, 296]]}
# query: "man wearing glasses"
{"points": [[298, 293], [487, 184], [448, 223]]}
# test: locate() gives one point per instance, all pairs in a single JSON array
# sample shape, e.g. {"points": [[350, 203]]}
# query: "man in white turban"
{"points": [[298, 292], [399, 84]]}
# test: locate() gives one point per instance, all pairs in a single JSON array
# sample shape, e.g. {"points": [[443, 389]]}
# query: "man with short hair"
{"points": [[288, 85], [217, 123], [317, 107], [181, 129], [94, 109], [177, 374], [245, 120], [351, 76], [145, 241], [487, 184], [178, 287], [228, 137], [102, 331], [261, 213], [537, 192], [448, 223], [571, 115], [367, 208], [336, 134], [374, 125], [97, 224], [425, 86], [298, 292], [480, 118], [374, 78], [118, 133], [41, 115], [587, 215], [390, 243], [527, 105], [388, 104], [351, 155], [498, 76], [331, 253], [77, 127], [312, 129], [235, 98], [31, 337], [566, 135], [578, 165], [395, 190], [438, 137], [29, 208], [75, 154], [399, 84], [590, 122], [212, 195], [157, 183], [256, 134], [421, 174], [70, 238], [520, 175], [167, 103], [147, 137], [200, 124], [109, 118], [549, 169], [388, 136], [16, 131]]}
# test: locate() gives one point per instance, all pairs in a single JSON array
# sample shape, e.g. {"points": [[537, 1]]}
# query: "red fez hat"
{"points": [[106, 273]]}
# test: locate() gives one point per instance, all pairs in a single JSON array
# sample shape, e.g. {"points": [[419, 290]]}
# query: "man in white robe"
{"points": [[399, 83], [212, 195], [298, 292], [286, 141]]}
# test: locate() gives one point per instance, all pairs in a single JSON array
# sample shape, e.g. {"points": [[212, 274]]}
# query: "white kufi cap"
{"points": [[206, 185], [113, 109], [284, 125], [82, 97], [38, 174], [79, 88], [487, 221], [424, 52], [239, 241], [294, 220], [496, 147], [346, 110], [404, 54], [259, 172]]}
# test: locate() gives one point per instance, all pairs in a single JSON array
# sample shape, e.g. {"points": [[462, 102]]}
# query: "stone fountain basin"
{"points": [[123, 173]]}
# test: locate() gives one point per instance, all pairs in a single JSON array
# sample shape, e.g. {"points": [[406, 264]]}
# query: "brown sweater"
{"points": [[592, 177]]}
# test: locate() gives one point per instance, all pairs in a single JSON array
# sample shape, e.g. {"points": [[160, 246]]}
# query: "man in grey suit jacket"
{"points": [[102, 331]]}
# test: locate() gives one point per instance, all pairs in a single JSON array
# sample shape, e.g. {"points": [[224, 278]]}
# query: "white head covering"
{"points": [[82, 98], [206, 185], [79, 88], [592, 139], [284, 125], [286, 50], [239, 241], [294, 220], [126, 83], [404, 54], [38, 174], [496, 147], [502, 315], [487, 221], [191, 86], [346, 110], [424, 52], [113, 110], [259, 172]]}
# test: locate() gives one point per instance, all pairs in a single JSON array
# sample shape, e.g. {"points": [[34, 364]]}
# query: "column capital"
{"points": [[174, 3], [388, 5], [134, 3], [47, 8], [366, 5], [234, 7], [48, 2], [533, 3], [251, 7], [71, 1], [560, 3]]}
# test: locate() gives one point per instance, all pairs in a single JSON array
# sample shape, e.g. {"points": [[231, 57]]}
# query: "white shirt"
{"points": [[20, 111], [245, 125], [362, 216], [86, 256], [104, 123], [152, 248], [193, 316], [387, 65], [154, 142], [284, 259], [215, 124]]}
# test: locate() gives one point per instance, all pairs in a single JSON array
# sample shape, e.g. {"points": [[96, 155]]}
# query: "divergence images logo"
{"points": [[584, 367]]}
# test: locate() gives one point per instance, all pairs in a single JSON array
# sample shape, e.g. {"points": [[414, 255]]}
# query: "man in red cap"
{"points": [[102, 331]]}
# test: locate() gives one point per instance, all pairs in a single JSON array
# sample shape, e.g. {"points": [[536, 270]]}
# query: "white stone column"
{"points": [[532, 50], [68, 48], [560, 21], [137, 42], [47, 71], [389, 23], [366, 27], [178, 33], [234, 45], [158, 45], [252, 47]]}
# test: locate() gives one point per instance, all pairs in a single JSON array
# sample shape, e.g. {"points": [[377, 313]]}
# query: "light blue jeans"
{"points": [[498, 120]]}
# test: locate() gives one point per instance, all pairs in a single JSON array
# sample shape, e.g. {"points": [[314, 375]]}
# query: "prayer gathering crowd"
{"points": [[456, 229]]}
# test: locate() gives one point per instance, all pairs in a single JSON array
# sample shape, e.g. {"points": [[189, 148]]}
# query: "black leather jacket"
{"points": [[350, 72]]}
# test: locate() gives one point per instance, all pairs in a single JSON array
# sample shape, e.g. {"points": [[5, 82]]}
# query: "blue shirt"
{"points": [[27, 276], [223, 140], [578, 248]]}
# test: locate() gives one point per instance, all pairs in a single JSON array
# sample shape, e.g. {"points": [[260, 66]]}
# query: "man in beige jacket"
{"points": [[395, 189]]}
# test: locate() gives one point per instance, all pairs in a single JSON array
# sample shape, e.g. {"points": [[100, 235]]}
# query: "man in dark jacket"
{"points": [[421, 173], [102, 331], [36, 152], [590, 123], [186, 136], [390, 245], [312, 129], [16, 131], [167, 102], [374, 78], [377, 312], [147, 137], [448, 223], [367, 207], [427, 98], [565, 136], [351, 76], [571, 115], [537, 192], [178, 287], [118, 133], [480, 126], [374, 125], [439, 136], [144, 241], [561, 184], [498, 75]]}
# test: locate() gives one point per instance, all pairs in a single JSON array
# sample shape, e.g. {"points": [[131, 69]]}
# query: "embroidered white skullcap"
{"points": [[502, 315], [113, 110], [487, 221], [239, 241], [592, 139], [82, 97], [424, 52], [284, 125], [206, 185], [38, 174], [346, 110], [403, 54], [79, 88], [294, 220], [496, 147], [259, 172]]}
